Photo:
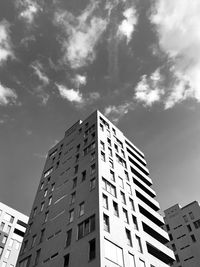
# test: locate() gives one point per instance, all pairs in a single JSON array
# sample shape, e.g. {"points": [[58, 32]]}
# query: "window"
{"points": [[34, 212], [128, 237], [42, 206], [197, 224], [4, 239], [2, 226], [189, 228], [109, 187], [191, 215], [129, 189], [123, 197], [73, 196], [112, 176], [77, 158], [92, 156], [46, 216], [42, 236], [135, 224], [52, 187], [114, 131], [139, 245], [74, 183], [69, 238], [37, 257], [1, 251], [122, 151], [92, 168], [121, 160], [33, 241], [111, 163], [78, 147], [193, 238], [141, 263], [92, 183], [102, 145], [66, 260], [85, 141], [177, 258], [126, 175], [173, 247], [50, 200], [170, 237], [113, 253], [25, 262], [167, 226], [75, 169], [83, 174], [86, 227], [11, 241], [45, 192], [105, 201], [131, 260], [106, 223], [125, 214], [116, 147], [92, 249], [42, 185], [121, 183], [81, 208], [115, 208], [185, 218], [7, 254], [101, 127], [8, 229], [71, 216], [110, 152], [109, 141], [48, 172], [103, 157], [131, 204]]}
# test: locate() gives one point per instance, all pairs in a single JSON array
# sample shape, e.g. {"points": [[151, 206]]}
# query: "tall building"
{"points": [[183, 226], [95, 206], [12, 229]]}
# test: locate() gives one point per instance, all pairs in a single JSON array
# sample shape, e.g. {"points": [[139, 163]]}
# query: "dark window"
{"points": [[66, 261], [193, 238], [115, 207], [69, 237], [106, 223], [74, 183], [42, 236], [86, 227], [83, 175], [177, 258], [92, 249], [189, 228], [37, 257], [128, 237]]}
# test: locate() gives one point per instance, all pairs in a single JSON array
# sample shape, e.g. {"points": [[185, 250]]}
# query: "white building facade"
{"points": [[183, 226], [95, 205], [12, 229]]}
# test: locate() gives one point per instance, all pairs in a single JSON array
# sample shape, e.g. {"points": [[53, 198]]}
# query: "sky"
{"points": [[137, 61]]}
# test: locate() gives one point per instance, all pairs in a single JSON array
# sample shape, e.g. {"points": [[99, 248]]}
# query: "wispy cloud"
{"points": [[6, 50], [7, 96], [28, 9], [177, 24], [39, 71], [148, 89], [127, 26], [115, 113], [75, 96], [82, 35]]}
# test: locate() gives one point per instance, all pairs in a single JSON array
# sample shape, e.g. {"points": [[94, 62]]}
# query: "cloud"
{"points": [[7, 96], [38, 68], [82, 35], [177, 24], [28, 10], [127, 26], [115, 113], [79, 80], [148, 89], [70, 94], [75, 96], [5, 42]]}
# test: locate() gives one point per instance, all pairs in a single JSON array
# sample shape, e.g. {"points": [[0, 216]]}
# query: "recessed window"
{"points": [[42, 206], [111, 164], [42, 185], [92, 249], [92, 168], [74, 183], [66, 261], [185, 218], [191, 215], [34, 211], [11, 241], [52, 187], [46, 216], [132, 260], [71, 216], [197, 224], [81, 208], [77, 158], [125, 214], [103, 157], [92, 156], [86, 227], [106, 223], [76, 169], [83, 176], [109, 187], [131, 204], [101, 127], [42, 235], [50, 201], [129, 189], [126, 175], [37, 257], [33, 241], [112, 176], [121, 183], [69, 237], [92, 183], [114, 131], [102, 145], [109, 141], [4, 239], [193, 238], [123, 199], [139, 244], [73, 196], [7, 254], [45, 192], [105, 201], [135, 224], [142, 263], [115, 208], [128, 237], [189, 228]]}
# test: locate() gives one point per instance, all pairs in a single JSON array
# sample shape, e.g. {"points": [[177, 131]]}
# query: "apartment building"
{"points": [[183, 226], [95, 206], [12, 229]]}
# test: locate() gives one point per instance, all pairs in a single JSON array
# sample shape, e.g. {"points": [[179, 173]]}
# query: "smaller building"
{"points": [[12, 229], [183, 227]]}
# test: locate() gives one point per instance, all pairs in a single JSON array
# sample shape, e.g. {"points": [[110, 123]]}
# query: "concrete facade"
{"points": [[183, 226], [95, 206], [12, 229]]}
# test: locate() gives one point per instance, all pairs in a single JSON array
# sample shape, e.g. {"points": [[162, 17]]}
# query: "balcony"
{"points": [[141, 175], [147, 199], [150, 214], [143, 186]]}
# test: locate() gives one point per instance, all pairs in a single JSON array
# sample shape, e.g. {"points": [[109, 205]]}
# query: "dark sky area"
{"points": [[137, 61]]}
